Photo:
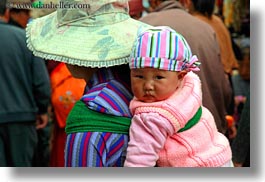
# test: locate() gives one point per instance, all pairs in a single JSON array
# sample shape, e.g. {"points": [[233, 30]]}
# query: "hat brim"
{"points": [[89, 46]]}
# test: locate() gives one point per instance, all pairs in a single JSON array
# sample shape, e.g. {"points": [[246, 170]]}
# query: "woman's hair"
{"points": [[123, 73], [205, 7]]}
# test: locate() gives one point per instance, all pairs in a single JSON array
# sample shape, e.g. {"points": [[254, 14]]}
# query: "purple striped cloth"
{"points": [[96, 149], [105, 93]]}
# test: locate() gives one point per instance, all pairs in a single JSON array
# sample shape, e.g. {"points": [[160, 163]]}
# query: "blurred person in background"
{"points": [[204, 10], [66, 90], [136, 9], [20, 15], [241, 143], [25, 95]]}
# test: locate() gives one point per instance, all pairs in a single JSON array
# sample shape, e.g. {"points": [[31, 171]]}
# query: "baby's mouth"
{"points": [[149, 96]]}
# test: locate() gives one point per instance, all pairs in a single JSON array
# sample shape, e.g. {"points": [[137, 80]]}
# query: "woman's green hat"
{"points": [[90, 33]]}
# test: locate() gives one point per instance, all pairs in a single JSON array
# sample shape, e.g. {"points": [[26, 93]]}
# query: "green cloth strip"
{"points": [[194, 120], [82, 119]]}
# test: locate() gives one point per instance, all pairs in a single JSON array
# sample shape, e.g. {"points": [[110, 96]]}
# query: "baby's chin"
{"points": [[148, 101]]}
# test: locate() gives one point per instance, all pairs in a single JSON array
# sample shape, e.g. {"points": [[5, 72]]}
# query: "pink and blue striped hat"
{"points": [[163, 48]]}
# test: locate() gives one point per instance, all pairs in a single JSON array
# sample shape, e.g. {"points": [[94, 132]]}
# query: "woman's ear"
{"points": [[188, 5], [7, 15], [181, 74]]}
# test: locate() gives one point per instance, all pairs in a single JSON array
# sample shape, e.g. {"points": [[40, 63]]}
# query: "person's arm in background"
{"points": [[41, 90], [241, 143]]}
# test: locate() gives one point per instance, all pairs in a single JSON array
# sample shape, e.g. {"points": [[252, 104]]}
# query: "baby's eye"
{"points": [[138, 76], [159, 77]]}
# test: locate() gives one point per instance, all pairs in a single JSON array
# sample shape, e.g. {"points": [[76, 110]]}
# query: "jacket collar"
{"points": [[12, 22], [2, 21], [166, 5]]}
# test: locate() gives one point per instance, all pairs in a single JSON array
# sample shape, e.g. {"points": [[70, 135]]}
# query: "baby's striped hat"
{"points": [[163, 48]]}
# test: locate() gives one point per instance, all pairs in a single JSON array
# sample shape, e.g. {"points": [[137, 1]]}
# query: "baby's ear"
{"points": [[181, 74]]}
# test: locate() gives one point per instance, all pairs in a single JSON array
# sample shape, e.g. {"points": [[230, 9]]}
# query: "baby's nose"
{"points": [[149, 85]]}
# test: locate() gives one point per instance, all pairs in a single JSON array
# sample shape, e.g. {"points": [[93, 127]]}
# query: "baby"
{"points": [[170, 127]]}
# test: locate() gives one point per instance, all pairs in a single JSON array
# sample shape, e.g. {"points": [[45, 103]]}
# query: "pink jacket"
{"points": [[154, 138]]}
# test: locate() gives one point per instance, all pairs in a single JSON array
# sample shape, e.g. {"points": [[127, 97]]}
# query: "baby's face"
{"points": [[151, 85]]}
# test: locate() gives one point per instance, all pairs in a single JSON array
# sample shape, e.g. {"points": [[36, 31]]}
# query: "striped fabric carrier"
{"points": [[98, 125], [95, 149]]}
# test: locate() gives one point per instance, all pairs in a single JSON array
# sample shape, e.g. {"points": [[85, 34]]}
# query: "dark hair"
{"points": [[18, 10], [205, 7], [2, 7], [123, 73]]}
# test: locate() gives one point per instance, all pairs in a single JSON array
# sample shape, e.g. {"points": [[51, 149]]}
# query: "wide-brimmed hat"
{"points": [[90, 33], [163, 48]]}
